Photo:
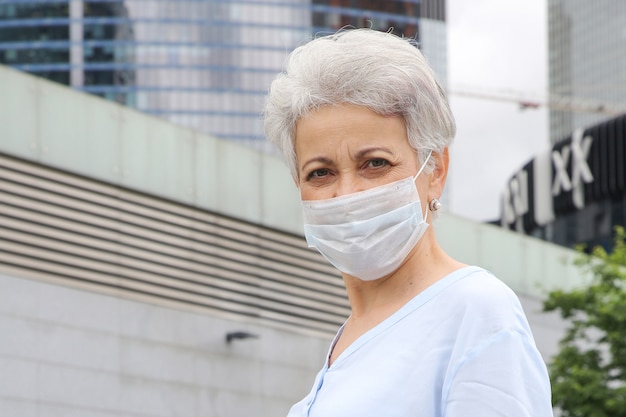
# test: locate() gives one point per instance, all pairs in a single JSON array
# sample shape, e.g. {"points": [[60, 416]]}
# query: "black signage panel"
{"points": [[619, 142], [588, 166]]}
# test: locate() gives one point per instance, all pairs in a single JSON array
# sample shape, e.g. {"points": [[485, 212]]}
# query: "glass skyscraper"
{"points": [[587, 63], [204, 64]]}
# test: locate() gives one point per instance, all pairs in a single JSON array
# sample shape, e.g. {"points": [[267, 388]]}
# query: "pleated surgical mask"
{"points": [[367, 234]]}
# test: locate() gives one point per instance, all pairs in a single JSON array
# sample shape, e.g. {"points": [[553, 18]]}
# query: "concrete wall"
{"points": [[67, 352], [53, 125]]}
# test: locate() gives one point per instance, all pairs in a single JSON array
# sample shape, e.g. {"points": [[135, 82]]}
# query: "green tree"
{"points": [[589, 373]]}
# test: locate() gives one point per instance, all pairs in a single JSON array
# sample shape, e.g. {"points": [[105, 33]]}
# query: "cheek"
{"points": [[308, 192]]}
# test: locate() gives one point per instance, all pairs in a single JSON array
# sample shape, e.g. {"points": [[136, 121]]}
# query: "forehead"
{"points": [[331, 129]]}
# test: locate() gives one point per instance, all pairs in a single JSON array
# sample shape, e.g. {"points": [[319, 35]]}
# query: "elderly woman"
{"points": [[365, 128]]}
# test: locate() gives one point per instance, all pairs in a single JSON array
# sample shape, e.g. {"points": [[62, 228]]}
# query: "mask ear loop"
{"points": [[425, 215], [423, 166]]}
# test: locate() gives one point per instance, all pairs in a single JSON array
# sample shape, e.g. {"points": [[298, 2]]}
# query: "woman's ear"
{"points": [[439, 174]]}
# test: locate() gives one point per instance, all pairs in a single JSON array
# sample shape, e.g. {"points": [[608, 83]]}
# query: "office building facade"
{"points": [[587, 69], [204, 64]]}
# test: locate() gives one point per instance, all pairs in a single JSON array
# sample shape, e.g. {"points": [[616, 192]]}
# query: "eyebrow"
{"points": [[363, 152]]}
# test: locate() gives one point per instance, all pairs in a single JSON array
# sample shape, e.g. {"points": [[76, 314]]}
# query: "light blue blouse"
{"points": [[461, 348]]}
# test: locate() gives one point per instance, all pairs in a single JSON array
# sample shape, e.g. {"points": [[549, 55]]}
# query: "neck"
{"points": [[378, 299]]}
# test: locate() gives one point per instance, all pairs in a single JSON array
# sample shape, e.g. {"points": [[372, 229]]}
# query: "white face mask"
{"points": [[367, 234]]}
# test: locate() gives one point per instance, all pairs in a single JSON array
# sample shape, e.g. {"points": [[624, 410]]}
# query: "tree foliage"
{"points": [[589, 373]]}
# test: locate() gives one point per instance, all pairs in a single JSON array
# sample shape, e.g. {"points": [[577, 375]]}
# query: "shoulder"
{"points": [[494, 364], [478, 305], [478, 291]]}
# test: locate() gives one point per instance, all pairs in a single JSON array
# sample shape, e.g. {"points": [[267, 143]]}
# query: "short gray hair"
{"points": [[361, 67]]}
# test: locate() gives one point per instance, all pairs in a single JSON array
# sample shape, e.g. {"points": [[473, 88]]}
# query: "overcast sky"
{"points": [[495, 47]]}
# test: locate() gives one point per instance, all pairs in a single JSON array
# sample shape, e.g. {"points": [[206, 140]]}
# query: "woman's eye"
{"points": [[318, 173], [377, 163]]}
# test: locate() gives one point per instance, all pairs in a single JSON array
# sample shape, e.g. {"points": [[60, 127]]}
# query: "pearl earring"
{"points": [[434, 205]]}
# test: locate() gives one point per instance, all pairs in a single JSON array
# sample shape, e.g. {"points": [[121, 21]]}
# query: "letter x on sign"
{"points": [[561, 179], [581, 173]]}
